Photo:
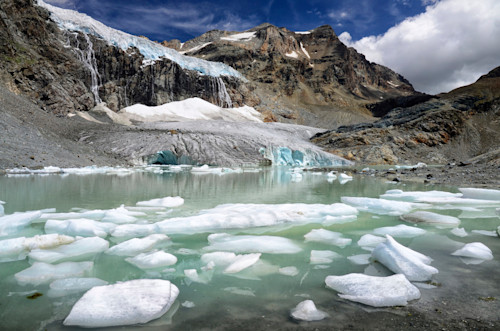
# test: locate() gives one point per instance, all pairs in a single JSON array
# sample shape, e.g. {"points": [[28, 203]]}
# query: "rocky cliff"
{"points": [[461, 125]]}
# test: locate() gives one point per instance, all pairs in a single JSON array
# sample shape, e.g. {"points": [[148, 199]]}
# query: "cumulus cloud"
{"points": [[451, 44]]}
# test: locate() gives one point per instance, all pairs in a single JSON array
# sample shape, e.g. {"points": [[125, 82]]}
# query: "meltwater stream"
{"points": [[257, 296]]}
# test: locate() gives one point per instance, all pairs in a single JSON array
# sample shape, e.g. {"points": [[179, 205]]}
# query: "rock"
{"points": [[133, 302]]}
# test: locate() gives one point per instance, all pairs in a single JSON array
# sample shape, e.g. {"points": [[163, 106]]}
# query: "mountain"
{"points": [[462, 125], [303, 77], [68, 62]]}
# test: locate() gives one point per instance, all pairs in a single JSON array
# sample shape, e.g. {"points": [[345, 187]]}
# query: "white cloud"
{"points": [[451, 44]]}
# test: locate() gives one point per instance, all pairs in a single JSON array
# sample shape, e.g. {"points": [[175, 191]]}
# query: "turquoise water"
{"points": [[249, 294]]}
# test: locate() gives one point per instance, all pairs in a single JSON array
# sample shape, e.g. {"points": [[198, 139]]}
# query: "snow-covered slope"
{"points": [[74, 21], [189, 110]]}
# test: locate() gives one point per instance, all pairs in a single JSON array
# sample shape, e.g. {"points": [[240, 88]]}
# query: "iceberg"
{"points": [[430, 218], [79, 227], [132, 302], [251, 244], [323, 257], [71, 20], [475, 250], [240, 216], [80, 249], [360, 259], [369, 241], [10, 224], [480, 193], [156, 259], [382, 206], [41, 272], [121, 215], [242, 262], [67, 286], [136, 246], [16, 249], [459, 232], [403, 260], [401, 231], [167, 202], [374, 291], [307, 311], [327, 237]]}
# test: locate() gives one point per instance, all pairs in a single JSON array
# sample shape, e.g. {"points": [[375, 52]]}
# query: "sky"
{"points": [[437, 45]]}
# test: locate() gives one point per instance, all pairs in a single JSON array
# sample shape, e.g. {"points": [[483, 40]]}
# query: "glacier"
{"points": [[71, 20]]}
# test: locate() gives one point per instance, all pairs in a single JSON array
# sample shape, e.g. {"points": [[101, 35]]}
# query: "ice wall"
{"points": [[279, 155]]}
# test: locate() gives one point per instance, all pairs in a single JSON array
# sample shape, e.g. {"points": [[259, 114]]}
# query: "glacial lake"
{"points": [[266, 289]]}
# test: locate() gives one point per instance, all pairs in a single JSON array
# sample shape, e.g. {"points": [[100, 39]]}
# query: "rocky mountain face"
{"points": [[64, 72], [461, 125], [304, 77]]}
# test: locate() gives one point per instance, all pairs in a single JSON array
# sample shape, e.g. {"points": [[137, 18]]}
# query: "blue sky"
{"points": [[437, 45]]}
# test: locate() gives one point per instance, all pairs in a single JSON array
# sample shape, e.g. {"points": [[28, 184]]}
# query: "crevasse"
{"points": [[74, 21]]}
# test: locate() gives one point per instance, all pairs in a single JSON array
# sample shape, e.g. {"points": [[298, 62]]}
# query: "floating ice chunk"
{"points": [[134, 230], [289, 271], [344, 177], [40, 272], [192, 275], [89, 214], [79, 227], [389, 291], [2, 210], [417, 196], [242, 262], [132, 302], [430, 218], [220, 259], [16, 249], [188, 304], [403, 260], [485, 233], [136, 246], [240, 291], [322, 257], [401, 231], [10, 224], [360, 259], [459, 232], [80, 249], [331, 175], [121, 215], [251, 244], [307, 311], [475, 250], [382, 206], [67, 286], [480, 193], [368, 241], [327, 237], [168, 202], [416, 166], [237, 216], [151, 260]]}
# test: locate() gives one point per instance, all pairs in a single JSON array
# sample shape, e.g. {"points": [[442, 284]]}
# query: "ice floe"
{"points": [[150, 260], [237, 216], [475, 250], [67, 286], [323, 256], [242, 262], [360, 259], [401, 231], [374, 291], [382, 206], [307, 311], [41, 272], [417, 196], [289, 271], [169, 202], [369, 241], [16, 249], [135, 246], [10, 224], [403, 260], [480, 193], [79, 227], [251, 244], [430, 218], [327, 237], [84, 248], [132, 302], [459, 232]]}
